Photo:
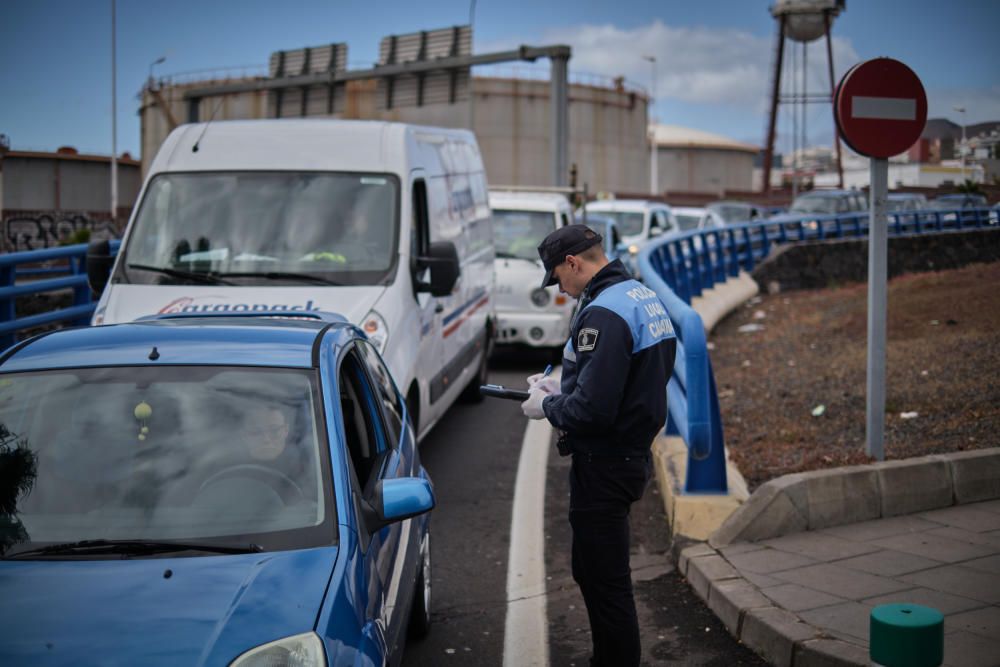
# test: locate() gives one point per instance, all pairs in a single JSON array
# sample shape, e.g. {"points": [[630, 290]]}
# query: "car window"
{"points": [[629, 223], [363, 428], [221, 454], [392, 404], [517, 234], [687, 221]]}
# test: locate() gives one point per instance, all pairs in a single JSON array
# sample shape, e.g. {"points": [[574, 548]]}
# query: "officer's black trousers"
{"points": [[602, 490]]}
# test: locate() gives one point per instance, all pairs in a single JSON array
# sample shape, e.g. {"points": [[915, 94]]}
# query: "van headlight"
{"points": [[540, 297], [378, 332], [305, 650]]}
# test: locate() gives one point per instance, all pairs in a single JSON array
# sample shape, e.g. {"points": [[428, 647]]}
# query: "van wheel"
{"points": [[471, 393], [420, 611]]}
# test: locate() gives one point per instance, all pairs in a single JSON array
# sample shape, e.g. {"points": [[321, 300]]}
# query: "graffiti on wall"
{"points": [[34, 231]]}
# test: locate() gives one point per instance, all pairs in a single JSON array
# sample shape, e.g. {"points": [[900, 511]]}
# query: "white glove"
{"points": [[547, 384], [532, 408]]}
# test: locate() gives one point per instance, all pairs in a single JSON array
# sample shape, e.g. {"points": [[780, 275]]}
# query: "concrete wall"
{"points": [[695, 169], [48, 182], [607, 126]]}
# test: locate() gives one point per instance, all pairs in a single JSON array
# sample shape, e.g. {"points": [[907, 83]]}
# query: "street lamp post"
{"points": [[114, 122], [654, 180], [961, 149], [158, 61]]}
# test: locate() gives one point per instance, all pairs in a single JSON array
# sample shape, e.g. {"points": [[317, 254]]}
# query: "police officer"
{"points": [[609, 406]]}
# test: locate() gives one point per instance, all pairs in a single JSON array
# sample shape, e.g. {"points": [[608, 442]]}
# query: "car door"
{"points": [[372, 433]]}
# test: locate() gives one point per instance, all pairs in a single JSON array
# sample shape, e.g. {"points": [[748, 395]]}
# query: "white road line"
{"points": [[884, 108], [526, 630]]}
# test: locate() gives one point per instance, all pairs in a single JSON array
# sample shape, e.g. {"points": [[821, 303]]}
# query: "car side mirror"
{"points": [[442, 260], [99, 263], [654, 232], [396, 500]]}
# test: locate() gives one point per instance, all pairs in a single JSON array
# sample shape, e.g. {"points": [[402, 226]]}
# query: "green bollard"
{"points": [[906, 635]]}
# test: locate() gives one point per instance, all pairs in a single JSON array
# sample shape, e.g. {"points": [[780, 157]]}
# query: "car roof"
{"points": [[203, 340]]}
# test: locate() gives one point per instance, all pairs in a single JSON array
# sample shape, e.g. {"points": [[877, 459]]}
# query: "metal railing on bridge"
{"points": [[683, 266], [18, 278]]}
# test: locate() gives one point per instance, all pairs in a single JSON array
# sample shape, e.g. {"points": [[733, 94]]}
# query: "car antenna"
{"points": [[194, 149]]}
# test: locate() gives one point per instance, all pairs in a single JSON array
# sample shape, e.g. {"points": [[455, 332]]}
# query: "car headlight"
{"points": [[305, 650], [378, 332], [633, 249], [540, 296]]}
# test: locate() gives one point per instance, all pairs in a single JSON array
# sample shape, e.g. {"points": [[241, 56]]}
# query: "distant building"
{"points": [[690, 160], [46, 198]]}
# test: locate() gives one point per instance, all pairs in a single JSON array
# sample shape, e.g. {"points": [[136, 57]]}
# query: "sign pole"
{"points": [[878, 252]]}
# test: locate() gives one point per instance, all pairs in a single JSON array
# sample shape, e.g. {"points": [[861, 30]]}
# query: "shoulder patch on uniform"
{"points": [[586, 340]]}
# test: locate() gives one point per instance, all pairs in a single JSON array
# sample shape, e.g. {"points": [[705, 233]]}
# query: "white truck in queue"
{"points": [[385, 223], [527, 313]]}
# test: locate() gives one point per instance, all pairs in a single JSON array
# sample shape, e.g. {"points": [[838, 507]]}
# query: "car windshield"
{"points": [[256, 228], [202, 454], [687, 221], [629, 224], [519, 233], [732, 213], [814, 204]]}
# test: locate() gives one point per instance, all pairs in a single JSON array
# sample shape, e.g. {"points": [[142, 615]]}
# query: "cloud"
{"points": [[694, 65], [981, 105]]}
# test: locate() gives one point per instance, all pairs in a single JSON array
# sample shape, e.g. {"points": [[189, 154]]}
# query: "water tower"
{"points": [[801, 21]]}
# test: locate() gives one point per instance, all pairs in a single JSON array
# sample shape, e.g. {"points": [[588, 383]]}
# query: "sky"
{"points": [[714, 58]]}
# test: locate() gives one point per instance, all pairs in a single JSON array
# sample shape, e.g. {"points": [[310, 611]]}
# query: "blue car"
{"points": [[207, 490]]}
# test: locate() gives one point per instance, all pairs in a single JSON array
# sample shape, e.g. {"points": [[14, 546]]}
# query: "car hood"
{"points": [[207, 611], [125, 303]]}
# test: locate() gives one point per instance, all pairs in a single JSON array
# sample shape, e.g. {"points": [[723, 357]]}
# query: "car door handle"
{"points": [[438, 308]]}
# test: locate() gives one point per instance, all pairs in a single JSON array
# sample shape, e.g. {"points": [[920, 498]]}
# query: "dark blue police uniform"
{"points": [[616, 365]]}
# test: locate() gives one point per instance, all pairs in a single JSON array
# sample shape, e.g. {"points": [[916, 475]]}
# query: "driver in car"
{"points": [[266, 434]]}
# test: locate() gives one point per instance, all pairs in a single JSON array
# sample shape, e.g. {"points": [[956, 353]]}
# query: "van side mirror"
{"points": [[99, 263], [442, 260]]}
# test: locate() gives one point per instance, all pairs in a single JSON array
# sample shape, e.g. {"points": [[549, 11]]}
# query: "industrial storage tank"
{"points": [[510, 114], [690, 160]]}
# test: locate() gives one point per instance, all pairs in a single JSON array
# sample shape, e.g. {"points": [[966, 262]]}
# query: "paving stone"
{"points": [[976, 475], [760, 580], [934, 547], [946, 603], [768, 561], [830, 653], [988, 539], [914, 485], [851, 618], [703, 571], [967, 517], [693, 551], [988, 564], [819, 546], [964, 649], [773, 632], [959, 580], [728, 599], [799, 598], [841, 581], [872, 530], [770, 511], [984, 622], [989, 506], [888, 563], [740, 548]]}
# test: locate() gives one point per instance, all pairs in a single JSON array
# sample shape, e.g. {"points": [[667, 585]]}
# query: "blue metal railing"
{"points": [[15, 265], [682, 267]]}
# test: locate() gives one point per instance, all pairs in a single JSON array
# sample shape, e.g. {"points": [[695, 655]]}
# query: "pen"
{"points": [[548, 369]]}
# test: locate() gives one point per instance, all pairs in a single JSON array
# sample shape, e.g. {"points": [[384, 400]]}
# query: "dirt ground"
{"points": [[793, 392]]}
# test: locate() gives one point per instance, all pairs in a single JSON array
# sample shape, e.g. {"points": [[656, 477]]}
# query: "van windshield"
{"points": [[213, 455], [629, 224], [517, 234], [265, 228]]}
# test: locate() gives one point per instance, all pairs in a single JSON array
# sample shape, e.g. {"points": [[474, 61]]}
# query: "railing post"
{"points": [[81, 293], [695, 270], [746, 239], [7, 313]]}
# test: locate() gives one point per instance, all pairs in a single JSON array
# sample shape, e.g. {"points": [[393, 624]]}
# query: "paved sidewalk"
{"points": [[804, 599]]}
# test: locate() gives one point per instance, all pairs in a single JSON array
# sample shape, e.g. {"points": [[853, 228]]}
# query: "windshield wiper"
{"points": [[282, 275], [140, 547], [200, 276]]}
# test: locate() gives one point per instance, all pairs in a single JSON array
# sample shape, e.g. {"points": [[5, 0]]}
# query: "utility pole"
{"points": [[654, 177], [114, 123], [961, 149]]}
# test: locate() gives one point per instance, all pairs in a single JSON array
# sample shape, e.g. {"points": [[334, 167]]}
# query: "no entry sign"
{"points": [[881, 108]]}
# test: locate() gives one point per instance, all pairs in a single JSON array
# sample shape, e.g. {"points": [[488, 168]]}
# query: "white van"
{"points": [[386, 223], [527, 313], [638, 219]]}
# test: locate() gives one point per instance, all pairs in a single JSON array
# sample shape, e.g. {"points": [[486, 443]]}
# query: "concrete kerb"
{"points": [[805, 501], [696, 516]]}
